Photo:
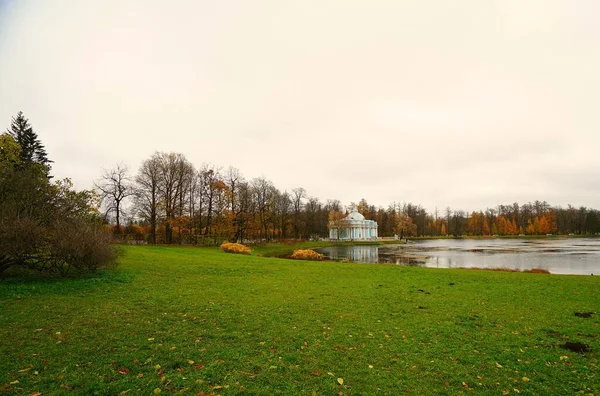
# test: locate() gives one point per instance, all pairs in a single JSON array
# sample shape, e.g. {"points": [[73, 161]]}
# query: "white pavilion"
{"points": [[354, 227]]}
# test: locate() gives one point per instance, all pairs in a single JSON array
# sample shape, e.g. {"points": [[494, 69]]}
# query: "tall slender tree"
{"points": [[147, 197]]}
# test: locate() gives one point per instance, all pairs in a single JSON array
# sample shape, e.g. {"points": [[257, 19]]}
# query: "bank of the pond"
{"points": [[280, 249]]}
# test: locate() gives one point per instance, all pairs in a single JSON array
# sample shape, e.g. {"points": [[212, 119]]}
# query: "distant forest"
{"points": [[170, 201]]}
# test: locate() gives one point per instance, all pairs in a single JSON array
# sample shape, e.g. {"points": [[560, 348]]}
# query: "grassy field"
{"points": [[195, 320]]}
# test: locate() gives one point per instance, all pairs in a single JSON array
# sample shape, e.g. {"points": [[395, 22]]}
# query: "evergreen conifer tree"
{"points": [[32, 150]]}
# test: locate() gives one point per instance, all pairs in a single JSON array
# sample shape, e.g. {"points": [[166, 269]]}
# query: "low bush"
{"points": [[236, 248], [307, 254]]}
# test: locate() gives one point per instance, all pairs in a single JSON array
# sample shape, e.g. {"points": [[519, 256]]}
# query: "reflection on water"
{"points": [[357, 254], [559, 256]]}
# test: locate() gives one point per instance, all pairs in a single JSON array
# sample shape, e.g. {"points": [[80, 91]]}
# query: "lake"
{"points": [[577, 256]]}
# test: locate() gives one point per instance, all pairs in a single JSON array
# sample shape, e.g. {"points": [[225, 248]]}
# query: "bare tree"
{"points": [[115, 187], [282, 206], [297, 195], [338, 222], [147, 194], [263, 192], [211, 187], [174, 169]]}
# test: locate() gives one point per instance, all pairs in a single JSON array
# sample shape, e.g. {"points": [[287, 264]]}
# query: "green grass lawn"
{"points": [[195, 320]]}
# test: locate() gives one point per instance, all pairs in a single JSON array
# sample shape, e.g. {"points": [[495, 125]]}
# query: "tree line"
{"points": [[171, 201]]}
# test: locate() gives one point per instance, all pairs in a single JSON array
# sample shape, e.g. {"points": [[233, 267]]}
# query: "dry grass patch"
{"points": [[307, 254], [237, 248]]}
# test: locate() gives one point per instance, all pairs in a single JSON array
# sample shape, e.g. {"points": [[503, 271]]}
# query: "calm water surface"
{"points": [[580, 256]]}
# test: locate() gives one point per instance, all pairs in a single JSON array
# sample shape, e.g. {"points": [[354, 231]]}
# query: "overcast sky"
{"points": [[467, 104]]}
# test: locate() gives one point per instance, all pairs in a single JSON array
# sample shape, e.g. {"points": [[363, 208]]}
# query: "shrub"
{"points": [[307, 254], [236, 248], [81, 246]]}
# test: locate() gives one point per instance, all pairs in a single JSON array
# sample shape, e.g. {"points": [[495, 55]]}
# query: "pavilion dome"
{"points": [[355, 216]]}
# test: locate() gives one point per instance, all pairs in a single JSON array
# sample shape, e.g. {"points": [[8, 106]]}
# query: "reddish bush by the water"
{"points": [[538, 271], [496, 269], [531, 271]]}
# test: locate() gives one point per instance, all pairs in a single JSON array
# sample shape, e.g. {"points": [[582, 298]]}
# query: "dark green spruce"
{"points": [[32, 150]]}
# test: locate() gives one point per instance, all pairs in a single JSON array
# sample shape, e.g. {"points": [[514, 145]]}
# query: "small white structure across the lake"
{"points": [[353, 227]]}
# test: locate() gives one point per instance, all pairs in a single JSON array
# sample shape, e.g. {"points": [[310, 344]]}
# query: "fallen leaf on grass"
{"points": [[157, 391], [199, 366], [140, 375], [370, 366], [498, 365], [151, 339], [190, 361], [14, 382], [525, 379], [35, 393], [564, 357], [340, 381]]}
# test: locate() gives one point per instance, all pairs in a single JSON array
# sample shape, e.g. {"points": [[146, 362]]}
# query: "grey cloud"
{"points": [[465, 104]]}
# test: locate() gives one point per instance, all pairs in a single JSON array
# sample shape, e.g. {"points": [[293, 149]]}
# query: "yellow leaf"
{"points": [[498, 365], [157, 367], [564, 357], [314, 393], [151, 339], [341, 381], [525, 379], [140, 375], [190, 361], [35, 393], [157, 391], [14, 382], [370, 366]]}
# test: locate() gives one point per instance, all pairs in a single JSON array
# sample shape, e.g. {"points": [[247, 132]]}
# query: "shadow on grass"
{"points": [[18, 283]]}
